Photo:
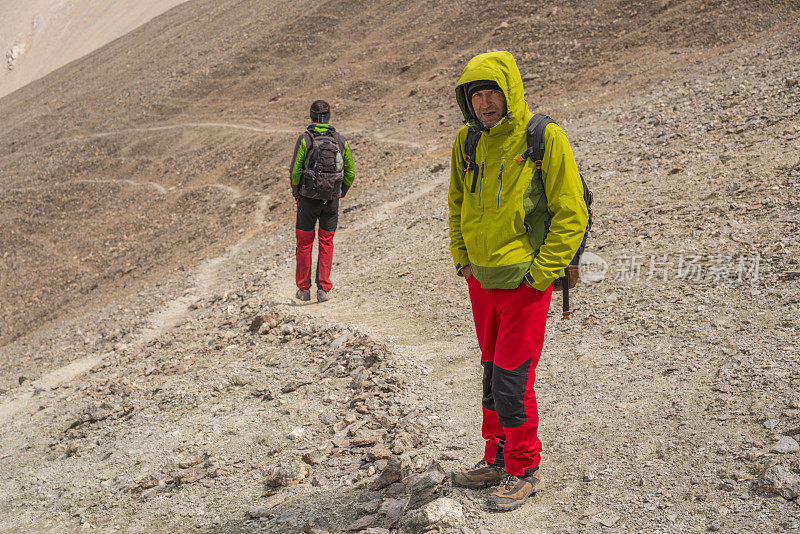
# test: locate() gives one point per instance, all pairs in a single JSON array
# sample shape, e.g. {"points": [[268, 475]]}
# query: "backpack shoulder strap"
{"points": [[536, 129], [471, 147], [340, 141], [309, 137], [535, 150]]}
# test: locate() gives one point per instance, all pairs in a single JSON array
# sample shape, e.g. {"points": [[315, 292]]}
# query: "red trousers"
{"points": [[510, 325], [305, 242]]}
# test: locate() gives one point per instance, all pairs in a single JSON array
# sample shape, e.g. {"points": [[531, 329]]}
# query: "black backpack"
{"points": [[535, 152], [322, 170]]}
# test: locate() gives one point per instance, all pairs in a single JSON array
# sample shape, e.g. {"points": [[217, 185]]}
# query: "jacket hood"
{"points": [[501, 68]]}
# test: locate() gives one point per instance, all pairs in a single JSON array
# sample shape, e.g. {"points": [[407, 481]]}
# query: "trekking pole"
{"points": [[565, 312]]}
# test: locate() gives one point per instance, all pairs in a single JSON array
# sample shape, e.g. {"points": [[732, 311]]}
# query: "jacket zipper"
{"points": [[480, 188], [501, 187], [474, 178]]}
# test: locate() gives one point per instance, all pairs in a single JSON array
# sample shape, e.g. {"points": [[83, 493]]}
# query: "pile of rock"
{"points": [[406, 496], [175, 474], [279, 327], [781, 473], [373, 427]]}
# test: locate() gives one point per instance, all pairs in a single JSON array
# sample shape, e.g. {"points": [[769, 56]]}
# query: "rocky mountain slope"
{"points": [[172, 382], [39, 36], [204, 100]]}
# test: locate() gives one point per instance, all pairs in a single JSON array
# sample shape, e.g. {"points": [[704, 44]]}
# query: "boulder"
{"points": [[389, 475], [392, 510], [286, 474], [778, 479], [443, 512], [785, 445]]}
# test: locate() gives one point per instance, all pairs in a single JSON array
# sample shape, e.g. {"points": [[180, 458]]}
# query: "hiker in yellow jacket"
{"points": [[511, 235]]}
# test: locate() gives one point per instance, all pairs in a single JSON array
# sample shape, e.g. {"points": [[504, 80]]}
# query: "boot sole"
{"points": [[476, 485], [497, 507], [493, 506]]}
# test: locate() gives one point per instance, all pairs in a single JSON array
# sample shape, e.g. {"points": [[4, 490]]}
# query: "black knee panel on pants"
{"points": [[488, 400], [508, 391]]}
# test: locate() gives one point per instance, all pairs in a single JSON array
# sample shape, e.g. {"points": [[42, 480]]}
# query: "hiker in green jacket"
{"points": [[511, 236], [320, 173]]}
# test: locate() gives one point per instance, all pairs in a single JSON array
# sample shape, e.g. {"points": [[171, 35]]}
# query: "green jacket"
{"points": [[510, 228], [301, 149]]}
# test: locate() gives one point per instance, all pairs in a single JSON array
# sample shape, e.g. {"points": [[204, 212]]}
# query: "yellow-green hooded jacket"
{"points": [[509, 228]]}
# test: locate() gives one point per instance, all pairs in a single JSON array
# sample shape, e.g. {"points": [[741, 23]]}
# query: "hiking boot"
{"points": [[482, 475], [322, 295], [303, 294], [512, 492]]}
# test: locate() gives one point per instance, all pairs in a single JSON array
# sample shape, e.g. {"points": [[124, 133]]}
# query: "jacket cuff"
{"points": [[538, 282], [459, 267]]}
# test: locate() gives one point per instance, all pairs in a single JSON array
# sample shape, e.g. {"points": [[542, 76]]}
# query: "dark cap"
{"points": [[481, 85], [320, 112]]}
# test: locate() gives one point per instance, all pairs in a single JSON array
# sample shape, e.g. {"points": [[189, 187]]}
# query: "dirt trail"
{"points": [[233, 191], [361, 311], [354, 130], [158, 187], [203, 281], [24, 399]]}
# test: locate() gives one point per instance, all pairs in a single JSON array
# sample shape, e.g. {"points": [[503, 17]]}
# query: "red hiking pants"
{"points": [[510, 325], [305, 242]]}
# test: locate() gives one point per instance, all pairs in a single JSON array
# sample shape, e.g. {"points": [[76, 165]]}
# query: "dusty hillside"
{"points": [[39, 36], [208, 68], [148, 227]]}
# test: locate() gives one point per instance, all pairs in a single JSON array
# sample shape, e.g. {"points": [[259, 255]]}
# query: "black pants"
{"points": [[311, 210]]}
